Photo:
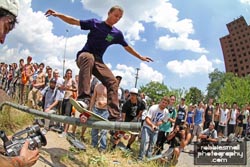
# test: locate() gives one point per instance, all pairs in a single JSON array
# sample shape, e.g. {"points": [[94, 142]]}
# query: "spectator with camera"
{"points": [[209, 135], [8, 15], [178, 140]]}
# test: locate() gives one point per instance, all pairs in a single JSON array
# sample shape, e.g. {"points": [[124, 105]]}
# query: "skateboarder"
{"points": [[90, 58]]}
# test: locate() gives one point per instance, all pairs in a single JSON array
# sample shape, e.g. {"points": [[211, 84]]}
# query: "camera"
{"points": [[13, 146]]}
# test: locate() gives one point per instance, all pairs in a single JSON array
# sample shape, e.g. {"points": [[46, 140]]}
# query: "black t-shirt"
{"points": [[181, 114], [240, 117], [208, 117], [132, 110]]}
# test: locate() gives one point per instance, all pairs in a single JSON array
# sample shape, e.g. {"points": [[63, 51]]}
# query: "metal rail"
{"points": [[126, 126]]}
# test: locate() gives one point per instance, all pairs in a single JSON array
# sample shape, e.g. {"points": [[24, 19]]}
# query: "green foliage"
{"points": [[194, 95], [155, 90], [179, 93], [217, 81], [12, 120], [236, 90], [98, 160]]}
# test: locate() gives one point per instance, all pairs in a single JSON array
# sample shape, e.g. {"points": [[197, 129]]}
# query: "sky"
{"points": [[181, 36]]}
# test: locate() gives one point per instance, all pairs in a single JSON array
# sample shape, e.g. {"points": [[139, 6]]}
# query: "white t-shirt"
{"points": [[232, 119], [156, 115], [223, 117], [246, 114]]}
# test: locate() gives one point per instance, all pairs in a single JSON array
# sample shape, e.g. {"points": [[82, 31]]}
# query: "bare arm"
{"points": [[52, 106], [27, 158], [136, 54], [93, 98], [65, 18]]}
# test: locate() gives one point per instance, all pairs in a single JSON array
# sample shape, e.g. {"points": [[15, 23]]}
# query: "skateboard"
{"points": [[75, 142], [95, 117], [91, 115]]}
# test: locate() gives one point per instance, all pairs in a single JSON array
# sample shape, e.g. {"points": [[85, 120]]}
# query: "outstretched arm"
{"points": [[65, 18], [133, 52]]}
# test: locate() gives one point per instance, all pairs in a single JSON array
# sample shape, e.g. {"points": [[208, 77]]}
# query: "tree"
{"points": [[217, 79], [194, 95], [236, 90], [155, 90]]}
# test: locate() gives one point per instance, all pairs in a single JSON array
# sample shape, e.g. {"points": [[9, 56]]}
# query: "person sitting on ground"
{"points": [[179, 139], [209, 135]]}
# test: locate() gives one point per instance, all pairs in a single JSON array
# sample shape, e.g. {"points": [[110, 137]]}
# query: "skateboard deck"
{"points": [[91, 115], [95, 117], [75, 142]]}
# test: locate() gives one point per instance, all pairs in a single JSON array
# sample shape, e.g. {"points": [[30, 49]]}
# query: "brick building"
{"points": [[236, 47]]}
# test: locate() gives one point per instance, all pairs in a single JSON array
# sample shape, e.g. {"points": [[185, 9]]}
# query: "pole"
{"points": [[64, 54], [111, 125], [136, 76]]}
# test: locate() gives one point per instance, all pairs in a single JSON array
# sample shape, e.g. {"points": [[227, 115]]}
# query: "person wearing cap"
{"points": [[90, 58], [182, 110], [132, 111], [50, 98], [8, 15]]}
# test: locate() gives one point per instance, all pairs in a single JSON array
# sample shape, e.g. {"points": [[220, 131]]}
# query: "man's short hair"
{"points": [[212, 123]]}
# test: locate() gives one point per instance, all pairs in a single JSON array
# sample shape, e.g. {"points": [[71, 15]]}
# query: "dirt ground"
{"points": [[51, 154]]}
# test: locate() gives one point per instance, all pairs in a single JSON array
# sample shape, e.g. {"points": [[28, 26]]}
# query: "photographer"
{"points": [[178, 139], [209, 135], [26, 158], [8, 14]]}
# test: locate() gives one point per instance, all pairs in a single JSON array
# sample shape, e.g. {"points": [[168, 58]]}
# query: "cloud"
{"points": [[247, 2], [146, 74], [218, 61], [34, 36], [190, 67], [180, 43], [160, 13]]}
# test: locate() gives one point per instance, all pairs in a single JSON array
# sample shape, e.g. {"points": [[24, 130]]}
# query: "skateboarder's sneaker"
{"points": [[84, 103]]}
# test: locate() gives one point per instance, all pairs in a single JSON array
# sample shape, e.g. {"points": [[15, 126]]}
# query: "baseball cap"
{"points": [[10, 5], [134, 91], [53, 80]]}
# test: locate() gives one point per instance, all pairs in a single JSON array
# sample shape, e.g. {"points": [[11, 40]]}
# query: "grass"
{"points": [[93, 158], [13, 120]]}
